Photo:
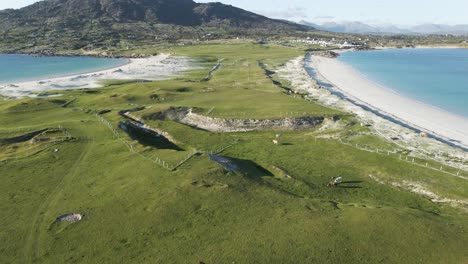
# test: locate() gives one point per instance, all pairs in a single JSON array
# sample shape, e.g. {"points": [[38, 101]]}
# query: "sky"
{"points": [[399, 12]]}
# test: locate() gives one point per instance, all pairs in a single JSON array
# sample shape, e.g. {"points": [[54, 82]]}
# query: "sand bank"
{"points": [[158, 67]]}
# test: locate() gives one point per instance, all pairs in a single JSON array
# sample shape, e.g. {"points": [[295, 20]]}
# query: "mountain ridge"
{"points": [[363, 28], [111, 22]]}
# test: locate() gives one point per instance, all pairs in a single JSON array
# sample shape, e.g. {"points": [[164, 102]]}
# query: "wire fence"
{"points": [[157, 160], [426, 154], [407, 158], [115, 132], [191, 155], [219, 150]]}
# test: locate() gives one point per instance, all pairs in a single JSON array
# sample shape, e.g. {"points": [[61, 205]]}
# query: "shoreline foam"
{"points": [[158, 67]]}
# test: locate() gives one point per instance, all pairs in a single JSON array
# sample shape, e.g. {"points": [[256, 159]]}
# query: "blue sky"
{"points": [[401, 12]]}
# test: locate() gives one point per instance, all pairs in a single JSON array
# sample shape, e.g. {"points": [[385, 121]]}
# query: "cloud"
{"points": [[324, 17], [289, 13]]}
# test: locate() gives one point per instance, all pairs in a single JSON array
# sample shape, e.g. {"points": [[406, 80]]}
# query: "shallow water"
{"points": [[18, 68], [438, 77]]}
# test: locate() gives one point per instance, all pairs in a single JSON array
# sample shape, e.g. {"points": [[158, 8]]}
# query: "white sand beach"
{"points": [[158, 67], [390, 114], [425, 117]]}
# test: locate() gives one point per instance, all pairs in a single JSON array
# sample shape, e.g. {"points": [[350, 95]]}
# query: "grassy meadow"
{"points": [[278, 211]]}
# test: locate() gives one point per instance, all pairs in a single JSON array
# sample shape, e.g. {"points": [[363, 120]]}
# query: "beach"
{"points": [[158, 67], [353, 84], [391, 116]]}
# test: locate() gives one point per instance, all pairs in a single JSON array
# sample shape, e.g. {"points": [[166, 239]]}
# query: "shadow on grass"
{"points": [[22, 138], [351, 182], [345, 186], [149, 138], [246, 167]]}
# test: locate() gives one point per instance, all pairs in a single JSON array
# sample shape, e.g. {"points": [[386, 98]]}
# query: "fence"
{"points": [[115, 132], [407, 158], [130, 146], [185, 160], [217, 151], [158, 160], [427, 154]]}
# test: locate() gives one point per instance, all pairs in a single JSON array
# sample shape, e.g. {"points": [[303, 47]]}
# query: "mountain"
{"points": [[82, 23], [440, 29], [352, 27], [362, 28]]}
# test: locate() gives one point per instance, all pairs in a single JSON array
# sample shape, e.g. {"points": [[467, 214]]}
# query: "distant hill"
{"points": [[440, 29], [79, 23], [362, 28], [352, 27]]}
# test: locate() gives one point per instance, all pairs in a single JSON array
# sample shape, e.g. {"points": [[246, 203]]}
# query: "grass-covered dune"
{"points": [[141, 204]]}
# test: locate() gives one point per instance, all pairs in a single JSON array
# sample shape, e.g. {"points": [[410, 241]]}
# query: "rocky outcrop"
{"points": [[328, 54], [186, 116]]}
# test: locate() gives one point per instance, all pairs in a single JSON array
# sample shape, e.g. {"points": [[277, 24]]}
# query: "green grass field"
{"points": [[279, 211]]}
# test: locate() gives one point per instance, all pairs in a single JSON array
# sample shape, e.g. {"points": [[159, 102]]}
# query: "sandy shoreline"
{"points": [[158, 67], [308, 81], [353, 84]]}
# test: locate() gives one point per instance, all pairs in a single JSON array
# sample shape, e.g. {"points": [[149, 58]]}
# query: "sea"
{"points": [[19, 68], [438, 77]]}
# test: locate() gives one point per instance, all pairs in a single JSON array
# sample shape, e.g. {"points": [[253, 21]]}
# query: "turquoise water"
{"points": [[438, 77], [16, 68]]}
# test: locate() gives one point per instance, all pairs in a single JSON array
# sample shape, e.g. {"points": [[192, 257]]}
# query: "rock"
{"points": [[70, 218], [186, 116]]}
